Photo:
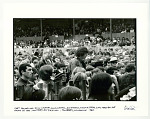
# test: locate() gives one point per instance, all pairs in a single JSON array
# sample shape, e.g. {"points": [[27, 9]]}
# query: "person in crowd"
{"points": [[127, 83], [112, 71], [95, 71], [78, 79], [30, 93], [128, 78], [79, 61], [101, 88], [16, 76], [76, 70], [89, 68], [25, 71], [114, 61], [35, 62], [34, 77], [130, 68], [118, 62], [45, 75], [70, 93]]}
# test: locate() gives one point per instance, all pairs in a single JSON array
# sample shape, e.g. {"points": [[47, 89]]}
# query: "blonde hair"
{"points": [[78, 78], [76, 70]]}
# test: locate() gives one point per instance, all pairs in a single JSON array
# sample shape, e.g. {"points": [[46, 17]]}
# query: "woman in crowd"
{"points": [[102, 87], [76, 70], [70, 93], [80, 81]]}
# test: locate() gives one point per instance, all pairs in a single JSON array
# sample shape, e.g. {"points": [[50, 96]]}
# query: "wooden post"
{"points": [[41, 25], [111, 29]]}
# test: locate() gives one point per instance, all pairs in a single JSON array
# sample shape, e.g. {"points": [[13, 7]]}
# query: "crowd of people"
{"points": [[82, 26], [90, 68], [94, 40], [80, 74]]}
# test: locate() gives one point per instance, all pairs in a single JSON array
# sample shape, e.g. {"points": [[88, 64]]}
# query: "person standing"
{"points": [[29, 93], [79, 60], [25, 71]]}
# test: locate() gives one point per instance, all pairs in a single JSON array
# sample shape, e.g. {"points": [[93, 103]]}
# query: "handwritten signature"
{"points": [[129, 107]]}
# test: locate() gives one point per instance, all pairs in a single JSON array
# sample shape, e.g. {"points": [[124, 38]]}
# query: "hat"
{"points": [[113, 59], [97, 63], [45, 72]]}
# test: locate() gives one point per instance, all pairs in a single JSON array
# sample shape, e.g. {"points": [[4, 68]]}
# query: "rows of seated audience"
{"points": [[106, 42], [81, 74], [85, 27]]}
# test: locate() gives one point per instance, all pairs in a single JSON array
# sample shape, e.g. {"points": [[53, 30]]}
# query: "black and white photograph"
{"points": [[74, 59]]}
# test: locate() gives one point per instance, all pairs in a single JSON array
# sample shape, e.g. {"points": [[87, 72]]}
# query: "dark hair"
{"points": [[69, 93], [110, 70], [23, 67], [36, 54], [130, 67], [38, 95], [81, 51], [100, 84], [126, 80], [45, 72], [107, 53], [33, 58]]}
